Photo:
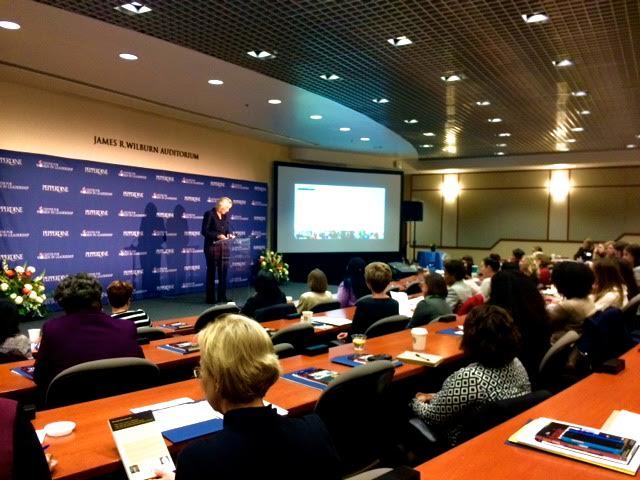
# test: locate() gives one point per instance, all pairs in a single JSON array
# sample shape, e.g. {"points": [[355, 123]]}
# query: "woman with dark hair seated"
{"points": [[491, 341], [631, 254], [238, 366], [433, 305], [574, 281], [518, 295], [13, 345], [268, 293], [354, 285], [626, 271], [84, 333]]}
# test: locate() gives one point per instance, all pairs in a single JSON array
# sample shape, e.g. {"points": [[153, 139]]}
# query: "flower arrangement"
{"points": [[274, 263], [26, 290]]}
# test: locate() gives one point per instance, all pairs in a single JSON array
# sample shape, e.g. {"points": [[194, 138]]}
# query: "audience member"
{"points": [[600, 251], [120, 295], [517, 255], [573, 281], [543, 263], [626, 271], [379, 305], [529, 269], [536, 249], [433, 305], [610, 249], [631, 254], [585, 252], [609, 288], [13, 344], [317, 282], [84, 333], [619, 246], [458, 291], [519, 296], [268, 293], [490, 266], [467, 261], [238, 366], [491, 341], [353, 286]]}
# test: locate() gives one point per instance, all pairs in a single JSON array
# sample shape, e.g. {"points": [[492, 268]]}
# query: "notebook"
{"points": [[312, 377], [181, 347]]}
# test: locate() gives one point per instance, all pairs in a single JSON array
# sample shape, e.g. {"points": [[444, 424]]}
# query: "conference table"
{"points": [[588, 402], [90, 450]]}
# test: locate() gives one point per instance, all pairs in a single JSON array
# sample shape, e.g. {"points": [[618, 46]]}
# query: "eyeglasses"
{"points": [[197, 373]]}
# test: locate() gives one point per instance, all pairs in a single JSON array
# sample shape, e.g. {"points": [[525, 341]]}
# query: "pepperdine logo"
{"points": [[131, 273], [95, 233], [259, 247], [191, 285], [191, 233], [133, 194], [54, 278], [163, 196], [96, 213], [96, 254], [191, 181], [130, 174], [130, 253], [55, 188], [11, 210], [95, 191], [11, 162], [56, 233], [259, 219], [52, 211], [257, 188], [12, 257], [165, 178], [239, 202], [238, 264], [188, 198], [164, 270], [165, 288], [12, 234], [257, 203], [239, 279], [165, 214], [191, 268], [158, 233], [191, 250], [53, 166], [132, 233], [258, 233], [212, 199], [191, 216], [101, 275], [239, 217], [165, 251], [96, 171], [130, 214], [240, 233], [215, 183], [239, 186], [54, 256], [11, 186]]}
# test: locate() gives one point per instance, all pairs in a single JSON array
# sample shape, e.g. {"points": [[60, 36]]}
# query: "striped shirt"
{"points": [[139, 317]]}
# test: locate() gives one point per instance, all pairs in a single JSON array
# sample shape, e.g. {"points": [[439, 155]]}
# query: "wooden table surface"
{"points": [[90, 450], [588, 403]]}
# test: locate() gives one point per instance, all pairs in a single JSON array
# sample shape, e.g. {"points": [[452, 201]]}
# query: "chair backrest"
{"points": [[299, 335], [557, 354], [633, 304], [149, 334], [210, 314], [274, 312], [556, 371], [101, 378], [284, 350], [386, 325], [604, 336], [353, 408], [326, 306], [449, 317], [632, 315], [413, 289], [470, 304]]}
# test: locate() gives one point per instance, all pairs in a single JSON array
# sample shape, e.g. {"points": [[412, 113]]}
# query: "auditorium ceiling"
{"points": [[454, 78]]}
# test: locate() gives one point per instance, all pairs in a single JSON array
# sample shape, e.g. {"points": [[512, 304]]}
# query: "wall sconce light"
{"points": [[559, 186], [450, 188]]}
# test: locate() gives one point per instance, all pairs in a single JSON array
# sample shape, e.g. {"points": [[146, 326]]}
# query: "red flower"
{"points": [[28, 273], [11, 273], [25, 291]]}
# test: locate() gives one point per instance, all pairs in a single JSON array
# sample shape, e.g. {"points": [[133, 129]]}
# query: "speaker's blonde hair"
{"points": [[237, 359], [223, 200]]}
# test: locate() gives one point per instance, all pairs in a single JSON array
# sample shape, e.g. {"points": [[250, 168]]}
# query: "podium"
{"points": [[240, 261]]}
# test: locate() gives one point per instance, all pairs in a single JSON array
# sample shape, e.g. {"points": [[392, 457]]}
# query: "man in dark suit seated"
{"points": [[84, 333], [238, 365]]}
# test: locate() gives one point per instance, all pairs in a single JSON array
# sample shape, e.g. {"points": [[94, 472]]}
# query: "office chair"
{"points": [[101, 378], [284, 350], [326, 306], [274, 312], [299, 335], [413, 289], [353, 408], [148, 334], [386, 325], [449, 317], [553, 373], [632, 317], [210, 314]]}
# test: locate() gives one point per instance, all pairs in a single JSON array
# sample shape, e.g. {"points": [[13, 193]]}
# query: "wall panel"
{"points": [[428, 231], [604, 212]]}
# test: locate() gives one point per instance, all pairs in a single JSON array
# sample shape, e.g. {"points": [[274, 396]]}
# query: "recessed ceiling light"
{"points": [[483, 103], [638, 135], [7, 25], [494, 120], [631, 145], [577, 129], [128, 56], [345, 129], [585, 112], [579, 93], [315, 117], [499, 153], [214, 81], [133, 8], [453, 77], [426, 145], [365, 139], [331, 76], [562, 147], [504, 134], [380, 100], [536, 17], [400, 41], [429, 134], [261, 54], [274, 101], [571, 140], [412, 120], [501, 145], [562, 62]]}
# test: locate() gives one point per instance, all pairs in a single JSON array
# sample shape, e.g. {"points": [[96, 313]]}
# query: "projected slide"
{"points": [[335, 212]]}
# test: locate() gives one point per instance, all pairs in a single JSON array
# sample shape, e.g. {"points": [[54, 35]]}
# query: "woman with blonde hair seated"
{"points": [[238, 366], [317, 282]]}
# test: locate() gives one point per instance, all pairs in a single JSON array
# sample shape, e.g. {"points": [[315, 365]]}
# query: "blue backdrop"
{"points": [[118, 222]]}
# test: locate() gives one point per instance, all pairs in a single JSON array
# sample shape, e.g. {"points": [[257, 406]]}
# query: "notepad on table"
{"points": [[181, 347], [336, 322], [419, 358], [176, 326], [26, 372]]}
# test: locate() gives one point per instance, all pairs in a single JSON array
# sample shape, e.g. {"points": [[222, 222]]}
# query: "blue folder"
{"points": [[451, 331], [303, 381], [189, 432], [349, 362]]}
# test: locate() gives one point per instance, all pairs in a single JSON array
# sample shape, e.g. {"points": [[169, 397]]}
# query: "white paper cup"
{"points": [[289, 299], [34, 335], [307, 315], [419, 338]]}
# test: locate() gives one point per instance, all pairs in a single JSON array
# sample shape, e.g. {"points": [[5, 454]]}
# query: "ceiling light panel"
{"points": [[400, 41], [9, 25], [133, 8]]}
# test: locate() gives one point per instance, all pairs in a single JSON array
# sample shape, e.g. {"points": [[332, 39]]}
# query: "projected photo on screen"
{"points": [[335, 212]]}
